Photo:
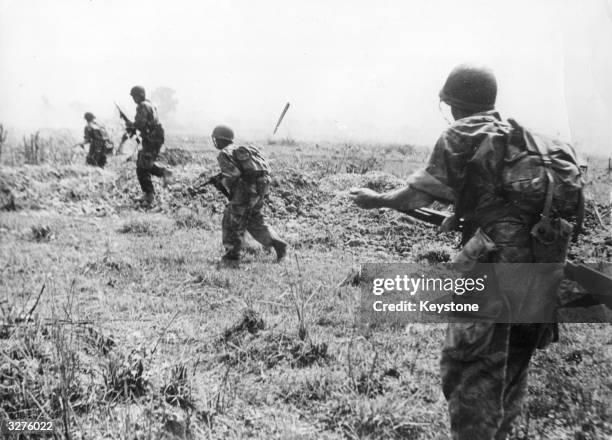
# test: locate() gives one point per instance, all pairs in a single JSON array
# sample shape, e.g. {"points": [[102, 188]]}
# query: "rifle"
{"points": [[597, 284], [214, 181], [130, 131]]}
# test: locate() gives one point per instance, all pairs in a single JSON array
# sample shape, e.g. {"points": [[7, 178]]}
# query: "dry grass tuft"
{"points": [[250, 322], [177, 391], [138, 226], [41, 233], [124, 377]]}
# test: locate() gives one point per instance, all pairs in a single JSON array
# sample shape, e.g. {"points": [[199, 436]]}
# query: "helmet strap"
{"points": [[443, 113]]}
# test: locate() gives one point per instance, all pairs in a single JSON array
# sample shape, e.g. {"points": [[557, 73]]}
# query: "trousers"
{"points": [[147, 167], [484, 375]]}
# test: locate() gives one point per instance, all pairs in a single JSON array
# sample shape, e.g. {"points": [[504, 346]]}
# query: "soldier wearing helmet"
{"points": [[483, 364], [222, 136], [96, 136], [245, 174], [152, 138]]}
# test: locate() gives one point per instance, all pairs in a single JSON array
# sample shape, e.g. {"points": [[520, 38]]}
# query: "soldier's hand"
{"points": [[365, 198], [449, 224]]}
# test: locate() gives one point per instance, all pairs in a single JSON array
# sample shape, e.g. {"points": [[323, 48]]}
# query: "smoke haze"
{"points": [[352, 70]]}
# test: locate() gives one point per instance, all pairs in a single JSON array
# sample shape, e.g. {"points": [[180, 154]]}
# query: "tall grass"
{"points": [[42, 146]]}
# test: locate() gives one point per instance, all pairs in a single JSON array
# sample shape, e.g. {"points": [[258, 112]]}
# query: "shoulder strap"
{"points": [[520, 136], [548, 170]]}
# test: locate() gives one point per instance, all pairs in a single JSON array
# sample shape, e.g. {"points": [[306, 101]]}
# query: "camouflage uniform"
{"points": [[484, 365], [152, 136], [248, 190], [95, 135]]}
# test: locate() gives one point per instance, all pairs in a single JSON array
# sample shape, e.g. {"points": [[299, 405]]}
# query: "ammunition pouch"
{"points": [[550, 239], [474, 251]]}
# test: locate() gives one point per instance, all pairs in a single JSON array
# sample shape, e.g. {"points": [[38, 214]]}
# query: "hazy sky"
{"points": [[352, 70]]}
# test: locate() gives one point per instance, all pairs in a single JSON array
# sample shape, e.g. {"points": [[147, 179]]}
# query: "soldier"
{"points": [[484, 364], [152, 138], [99, 143], [246, 175]]}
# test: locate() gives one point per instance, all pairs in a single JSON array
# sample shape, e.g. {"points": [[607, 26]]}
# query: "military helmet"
{"points": [[470, 88], [223, 132], [89, 116], [137, 91]]}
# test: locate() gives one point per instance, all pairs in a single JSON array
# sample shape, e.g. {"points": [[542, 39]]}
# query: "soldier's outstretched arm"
{"points": [[402, 199], [422, 190]]}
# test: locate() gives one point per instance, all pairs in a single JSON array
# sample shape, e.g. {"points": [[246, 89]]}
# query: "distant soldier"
{"points": [[152, 139], [246, 176], [96, 136]]}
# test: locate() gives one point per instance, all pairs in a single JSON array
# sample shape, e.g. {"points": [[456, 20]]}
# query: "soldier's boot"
{"points": [[229, 260], [281, 249], [146, 201], [166, 177]]}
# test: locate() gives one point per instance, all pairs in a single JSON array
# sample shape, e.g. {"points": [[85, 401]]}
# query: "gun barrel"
{"points": [[214, 181], [123, 115], [427, 215]]}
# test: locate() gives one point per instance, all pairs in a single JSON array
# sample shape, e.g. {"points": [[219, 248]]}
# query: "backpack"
{"points": [[101, 138], [541, 176], [251, 162], [153, 130], [155, 133]]}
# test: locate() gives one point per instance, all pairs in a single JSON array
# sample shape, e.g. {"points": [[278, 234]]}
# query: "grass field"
{"points": [[117, 322]]}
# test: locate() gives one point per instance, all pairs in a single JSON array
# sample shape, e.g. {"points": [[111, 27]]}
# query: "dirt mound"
{"points": [[308, 211], [85, 190], [318, 213], [295, 194], [74, 189]]}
